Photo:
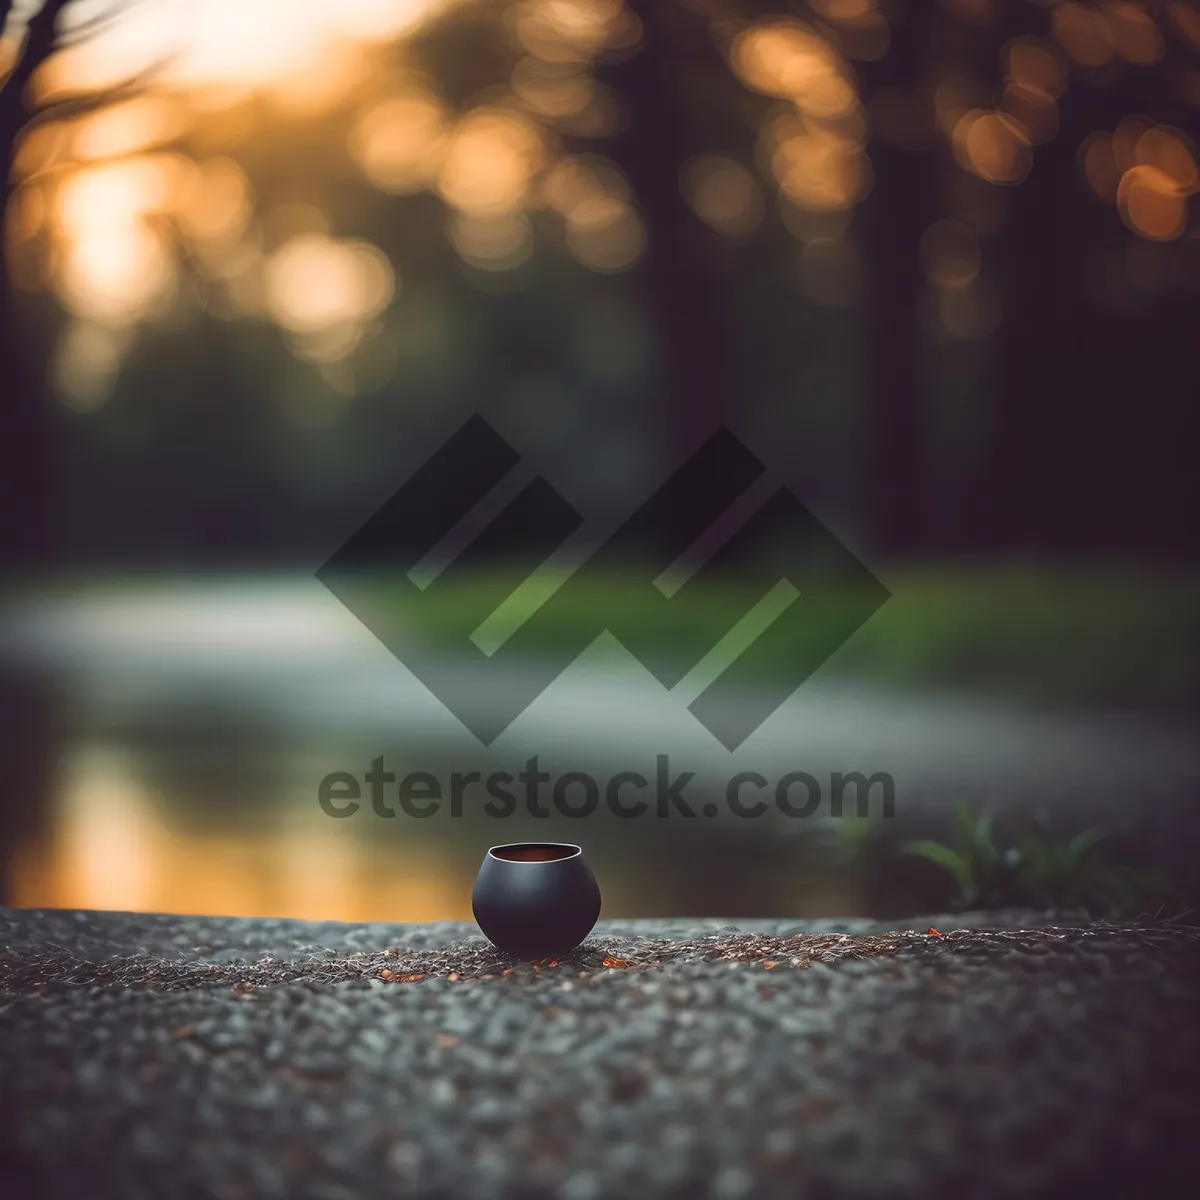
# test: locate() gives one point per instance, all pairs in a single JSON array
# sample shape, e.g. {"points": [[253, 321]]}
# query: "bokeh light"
{"points": [[492, 242], [723, 194], [1134, 33], [1168, 151], [1036, 63], [1083, 33], [399, 143], [861, 27], [491, 162], [323, 290], [113, 217], [1125, 139], [817, 166], [1148, 171], [216, 201], [571, 31], [993, 145], [1151, 203], [86, 362], [1032, 109], [1185, 20], [605, 234], [112, 259], [789, 60], [552, 90], [955, 95]]}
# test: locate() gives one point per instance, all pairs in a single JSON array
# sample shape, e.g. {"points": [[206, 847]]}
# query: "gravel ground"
{"points": [[153, 1056]]}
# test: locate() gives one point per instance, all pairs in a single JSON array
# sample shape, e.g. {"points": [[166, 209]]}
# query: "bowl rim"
{"points": [[577, 852]]}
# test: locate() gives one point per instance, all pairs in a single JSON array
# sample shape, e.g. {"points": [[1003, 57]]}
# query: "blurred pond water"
{"points": [[166, 745]]}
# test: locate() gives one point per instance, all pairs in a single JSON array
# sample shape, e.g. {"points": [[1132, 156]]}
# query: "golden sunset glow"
{"points": [[128, 127], [116, 225], [117, 277], [147, 208], [114, 261], [122, 217], [232, 47]]}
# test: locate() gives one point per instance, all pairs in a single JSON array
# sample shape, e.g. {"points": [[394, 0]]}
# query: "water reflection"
{"points": [[192, 727], [112, 843], [110, 840]]}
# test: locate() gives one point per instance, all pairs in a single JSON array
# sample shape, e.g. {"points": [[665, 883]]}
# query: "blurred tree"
{"points": [[966, 92], [688, 282], [632, 137], [24, 421], [26, 460]]}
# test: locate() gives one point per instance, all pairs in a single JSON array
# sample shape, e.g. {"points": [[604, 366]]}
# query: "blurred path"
{"points": [[228, 1058]]}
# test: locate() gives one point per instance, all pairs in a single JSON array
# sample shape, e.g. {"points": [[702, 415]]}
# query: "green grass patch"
{"points": [[1078, 635]]}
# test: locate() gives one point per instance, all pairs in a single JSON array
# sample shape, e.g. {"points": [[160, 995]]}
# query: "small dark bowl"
{"points": [[535, 899]]}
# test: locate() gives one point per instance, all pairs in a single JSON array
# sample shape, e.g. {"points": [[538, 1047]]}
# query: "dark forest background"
{"points": [[1052, 414]]}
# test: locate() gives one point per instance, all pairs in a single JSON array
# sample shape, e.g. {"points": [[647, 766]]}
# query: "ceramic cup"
{"points": [[535, 899]]}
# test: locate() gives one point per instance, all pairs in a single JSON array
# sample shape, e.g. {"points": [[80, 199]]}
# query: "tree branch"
{"points": [[41, 40], [80, 104]]}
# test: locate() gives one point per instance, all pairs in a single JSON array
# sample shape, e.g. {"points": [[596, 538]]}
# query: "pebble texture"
{"points": [[153, 1056]]}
